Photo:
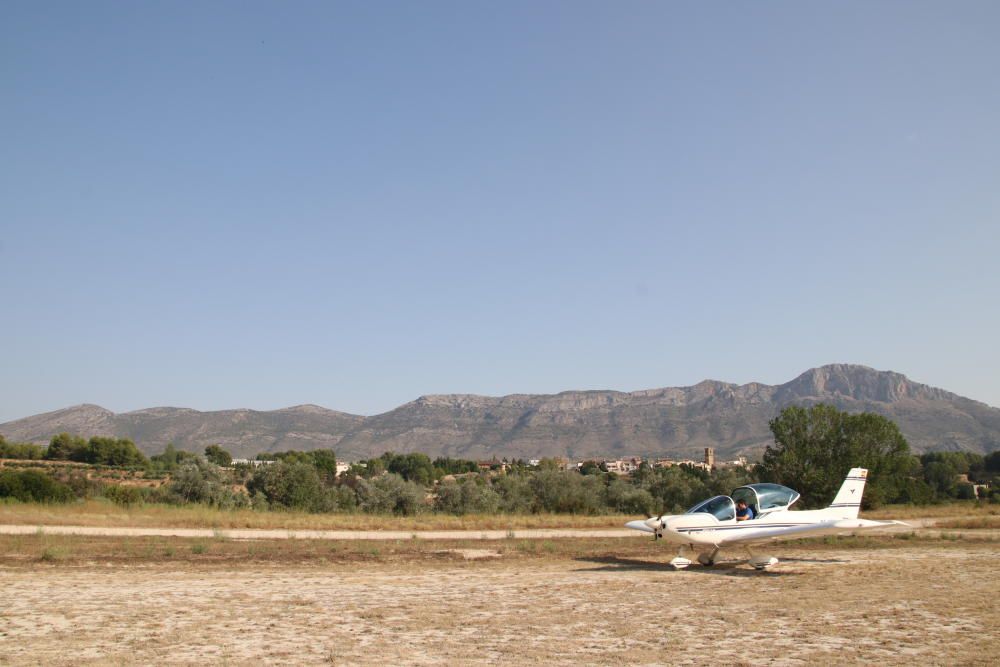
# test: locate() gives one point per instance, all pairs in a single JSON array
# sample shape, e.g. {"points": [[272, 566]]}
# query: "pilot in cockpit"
{"points": [[743, 511]]}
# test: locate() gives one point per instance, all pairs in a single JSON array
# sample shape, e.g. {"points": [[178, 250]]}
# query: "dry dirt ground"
{"points": [[563, 602]]}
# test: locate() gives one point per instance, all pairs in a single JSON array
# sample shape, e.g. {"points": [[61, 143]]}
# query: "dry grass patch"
{"points": [[989, 521], [77, 550], [105, 514], [959, 508]]}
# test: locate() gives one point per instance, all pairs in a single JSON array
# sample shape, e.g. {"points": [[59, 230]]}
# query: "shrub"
{"points": [[33, 486], [965, 492], [126, 496], [390, 494], [197, 481]]}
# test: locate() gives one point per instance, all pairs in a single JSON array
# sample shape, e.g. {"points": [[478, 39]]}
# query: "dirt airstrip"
{"points": [[603, 601]]}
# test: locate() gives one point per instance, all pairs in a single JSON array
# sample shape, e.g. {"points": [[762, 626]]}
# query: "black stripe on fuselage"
{"points": [[698, 529]]}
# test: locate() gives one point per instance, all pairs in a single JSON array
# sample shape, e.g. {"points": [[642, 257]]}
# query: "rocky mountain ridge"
{"points": [[671, 421]]}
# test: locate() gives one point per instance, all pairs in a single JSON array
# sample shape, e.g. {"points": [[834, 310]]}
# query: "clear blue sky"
{"points": [[247, 204]]}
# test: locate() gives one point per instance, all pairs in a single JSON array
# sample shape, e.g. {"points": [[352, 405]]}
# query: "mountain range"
{"points": [[667, 422]]}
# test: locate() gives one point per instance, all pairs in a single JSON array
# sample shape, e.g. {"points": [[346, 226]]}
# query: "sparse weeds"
{"points": [[51, 554], [198, 548], [527, 547], [989, 521]]}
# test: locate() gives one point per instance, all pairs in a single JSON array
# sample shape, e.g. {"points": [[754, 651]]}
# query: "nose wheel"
{"points": [[680, 561]]}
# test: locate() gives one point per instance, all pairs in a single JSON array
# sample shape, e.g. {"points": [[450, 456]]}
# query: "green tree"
{"points": [[472, 496], [516, 496], [815, 447], [121, 453], [413, 467], [290, 485], [325, 462], [567, 492], [942, 477], [390, 494], [217, 455], [675, 489], [991, 462], [444, 465], [66, 447], [628, 499], [21, 450], [170, 458]]}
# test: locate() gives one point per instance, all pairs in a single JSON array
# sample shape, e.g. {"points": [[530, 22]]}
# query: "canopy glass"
{"points": [[766, 497]]}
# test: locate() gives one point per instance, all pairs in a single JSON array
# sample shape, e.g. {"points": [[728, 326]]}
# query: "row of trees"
{"points": [[300, 485], [812, 451], [117, 452]]}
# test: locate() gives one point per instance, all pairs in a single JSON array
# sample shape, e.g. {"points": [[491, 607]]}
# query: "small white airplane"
{"points": [[710, 525]]}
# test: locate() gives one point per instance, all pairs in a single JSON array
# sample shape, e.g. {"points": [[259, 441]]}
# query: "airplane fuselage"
{"points": [[706, 530]]}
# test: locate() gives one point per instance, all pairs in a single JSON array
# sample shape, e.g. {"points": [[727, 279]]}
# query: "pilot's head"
{"points": [[742, 503]]}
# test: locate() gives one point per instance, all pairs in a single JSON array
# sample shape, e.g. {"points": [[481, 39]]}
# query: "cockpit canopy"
{"points": [[762, 498], [721, 507]]}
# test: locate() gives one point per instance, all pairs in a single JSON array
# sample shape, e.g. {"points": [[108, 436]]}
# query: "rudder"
{"points": [[848, 500]]}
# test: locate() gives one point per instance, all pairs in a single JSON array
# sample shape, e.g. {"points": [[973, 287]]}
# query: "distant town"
{"points": [[620, 466]]}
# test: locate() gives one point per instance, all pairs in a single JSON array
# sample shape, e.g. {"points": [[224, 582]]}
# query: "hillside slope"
{"points": [[673, 421]]}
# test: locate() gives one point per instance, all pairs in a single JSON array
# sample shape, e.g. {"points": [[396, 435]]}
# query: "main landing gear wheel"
{"points": [[761, 563], [708, 559]]}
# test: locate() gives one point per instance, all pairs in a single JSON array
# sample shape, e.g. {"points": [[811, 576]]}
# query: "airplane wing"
{"points": [[830, 527]]}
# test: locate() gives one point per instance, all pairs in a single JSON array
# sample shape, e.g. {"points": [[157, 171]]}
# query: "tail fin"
{"points": [[848, 500]]}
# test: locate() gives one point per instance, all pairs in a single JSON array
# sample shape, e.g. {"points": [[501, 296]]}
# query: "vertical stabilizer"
{"points": [[848, 500]]}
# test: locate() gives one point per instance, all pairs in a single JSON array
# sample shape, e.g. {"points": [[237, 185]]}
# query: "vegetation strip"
{"points": [[250, 534]]}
